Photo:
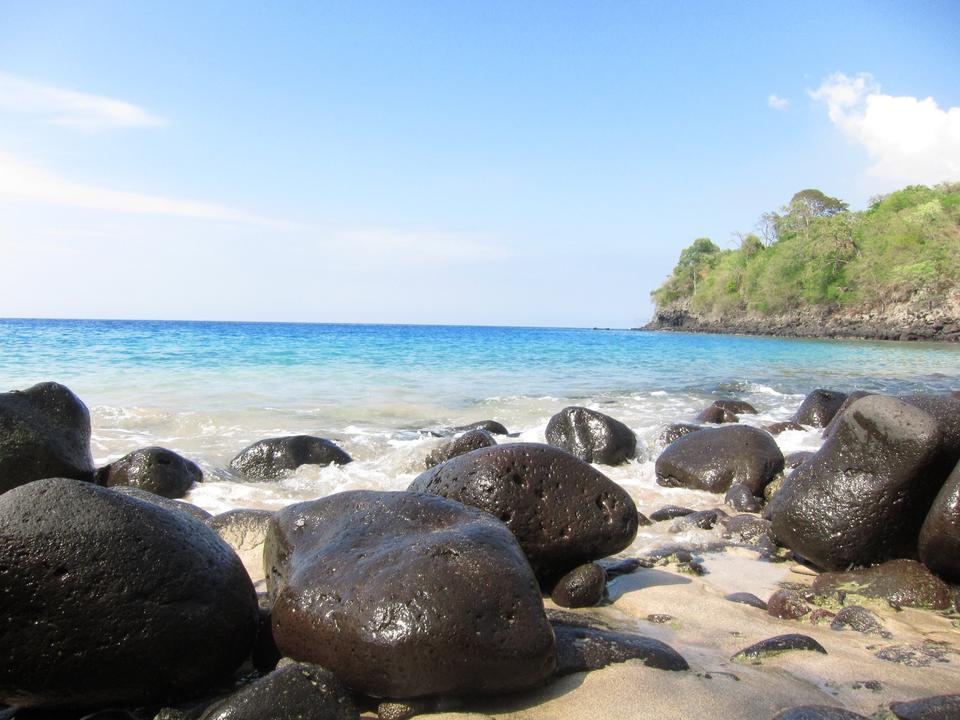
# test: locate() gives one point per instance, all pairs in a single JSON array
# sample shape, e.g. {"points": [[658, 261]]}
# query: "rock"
{"points": [[676, 431], [817, 712], [778, 645], [939, 544], [848, 401], [643, 520], [580, 649], [787, 605], [107, 600], [44, 433], [591, 436], [470, 440], [901, 583], [166, 503], [796, 459], [780, 427], [563, 512], [273, 458], [669, 512], [819, 407], [746, 598], [245, 531], [716, 458], [860, 619], [297, 691], [749, 529], [946, 410], [737, 407], [862, 498], [405, 594], [741, 499], [716, 416], [491, 426], [154, 469], [922, 655], [265, 654], [939, 707], [405, 709], [703, 519], [581, 587]]}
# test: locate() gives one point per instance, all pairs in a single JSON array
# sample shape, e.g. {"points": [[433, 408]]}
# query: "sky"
{"points": [[451, 162]]}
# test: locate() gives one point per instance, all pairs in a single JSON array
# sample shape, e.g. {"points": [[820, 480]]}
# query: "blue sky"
{"points": [[535, 163]]}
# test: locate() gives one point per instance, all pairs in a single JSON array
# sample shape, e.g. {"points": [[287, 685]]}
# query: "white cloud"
{"points": [[908, 140], [71, 108], [777, 102]]}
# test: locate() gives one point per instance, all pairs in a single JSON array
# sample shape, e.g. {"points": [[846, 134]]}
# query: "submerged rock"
{"points": [[778, 645], [819, 407], [405, 595], [44, 433], [716, 458], [154, 469], [563, 512], [273, 458], [939, 545], [901, 583], [938, 707], [581, 587], [470, 440], [591, 436], [109, 601]]}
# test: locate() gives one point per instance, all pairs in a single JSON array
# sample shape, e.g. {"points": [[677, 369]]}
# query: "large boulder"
{"points": [[713, 459], [847, 402], [946, 410], [591, 436], [273, 458], [44, 432], [107, 600], [939, 545], [863, 497], [405, 595], [470, 440], [154, 469], [819, 407], [563, 512]]}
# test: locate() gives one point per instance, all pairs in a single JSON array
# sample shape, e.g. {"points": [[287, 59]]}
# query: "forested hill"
{"points": [[815, 268]]}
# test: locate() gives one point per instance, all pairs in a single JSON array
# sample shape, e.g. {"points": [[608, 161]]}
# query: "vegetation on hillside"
{"points": [[814, 251]]}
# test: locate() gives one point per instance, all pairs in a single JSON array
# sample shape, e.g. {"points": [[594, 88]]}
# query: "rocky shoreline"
{"points": [[501, 583]]}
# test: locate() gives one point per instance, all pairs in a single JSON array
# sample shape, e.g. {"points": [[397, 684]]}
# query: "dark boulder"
{"points": [[296, 691], [749, 529], [946, 410], [847, 402], [582, 647], [109, 601], [166, 503], [939, 545], [273, 458], [716, 458], [491, 426], [819, 407], [778, 645], [563, 512], [938, 707], [154, 469], [581, 587], [862, 498], [591, 436], [669, 512], [737, 407], [702, 519], [405, 595], [741, 499], [470, 440], [716, 416], [676, 431], [44, 433], [817, 712], [901, 583]]}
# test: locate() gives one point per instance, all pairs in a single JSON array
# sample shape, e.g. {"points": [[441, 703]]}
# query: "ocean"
{"points": [[208, 389]]}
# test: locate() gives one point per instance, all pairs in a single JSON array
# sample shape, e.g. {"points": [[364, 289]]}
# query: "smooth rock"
{"points": [[847, 402], [939, 707], [166, 503], [109, 601], [669, 512], [716, 458], [939, 544], [819, 407], [154, 469], [778, 645], [901, 583], [740, 498], [563, 512], [580, 649], [274, 458], [591, 436], [44, 433], [716, 416], [676, 431], [491, 426], [581, 587], [405, 595], [470, 440]]}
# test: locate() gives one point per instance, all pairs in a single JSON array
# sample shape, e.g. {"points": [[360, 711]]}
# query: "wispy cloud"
{"points": [[777, 102], [22, 181], [908, 139], [71, 108]]}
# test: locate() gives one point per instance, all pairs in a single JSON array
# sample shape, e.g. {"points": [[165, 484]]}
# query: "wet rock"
{"points": [[778, 645], [740, 498], [819, 407], [405, 709], [781, 427], [787, 605], [817, 712], [862, 498], [750, 530], [580, 649], [643, 520], [273, 458], [44, 433], [716, 458], [109, 601], [623, 566], [297, 691], [821, 615], [923, 655], [702, 519], [491, 426], [901, 583], [470, 440], [939, 544], [154, 469], [848, 401], [265, 654], [659, 618], [946, 410], [737, 407], [939, 707], [563, 512], [796, 459], [676, 431], [166, 503], [245, 531], [746, 598], [669, 512], [716, 416], [859, 619], [405, 595], [591, 436], [581, 587]]}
